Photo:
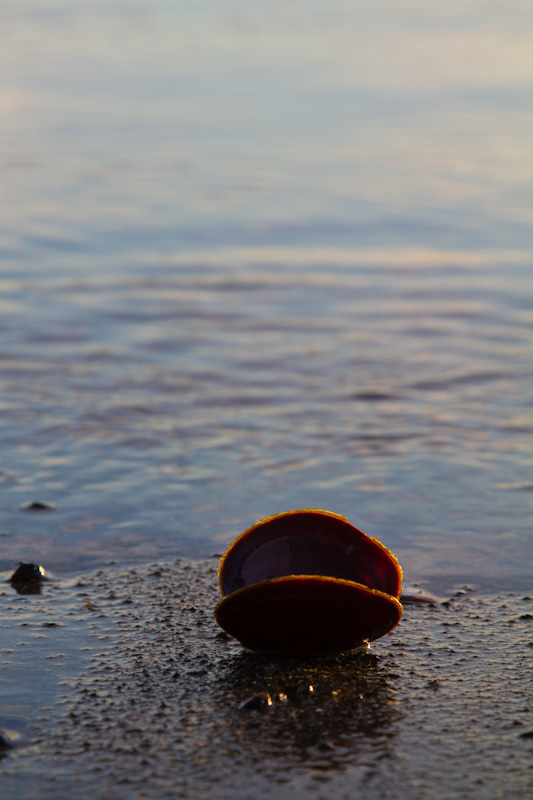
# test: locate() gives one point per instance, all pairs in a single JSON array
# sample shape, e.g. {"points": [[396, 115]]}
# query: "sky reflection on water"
{"points": [[256, 258]]}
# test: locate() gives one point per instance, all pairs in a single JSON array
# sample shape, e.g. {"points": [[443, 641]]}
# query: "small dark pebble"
{"points": [[27, 578], [37, 505], [50, 625], [7, 740], [525, 616], [259, 702], [526, 735], [28, 572]]}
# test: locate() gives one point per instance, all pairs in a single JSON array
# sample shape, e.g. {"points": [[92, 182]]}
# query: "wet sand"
{"points": [[147, 699]]}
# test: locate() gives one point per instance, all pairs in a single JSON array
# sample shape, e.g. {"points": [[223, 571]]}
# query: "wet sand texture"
{"points": [[167, 707]]}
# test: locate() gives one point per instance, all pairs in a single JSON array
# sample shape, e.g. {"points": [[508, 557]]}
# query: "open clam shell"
{"points": [[307, 582]]}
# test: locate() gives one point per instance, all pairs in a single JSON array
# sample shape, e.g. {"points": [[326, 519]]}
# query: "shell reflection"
{"points": [[281, 714]]}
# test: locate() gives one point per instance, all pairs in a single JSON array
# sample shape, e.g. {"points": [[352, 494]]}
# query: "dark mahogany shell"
{"points": [[308, 583]]}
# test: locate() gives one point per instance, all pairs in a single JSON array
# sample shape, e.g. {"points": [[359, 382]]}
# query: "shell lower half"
{"points": [[307, 615]]}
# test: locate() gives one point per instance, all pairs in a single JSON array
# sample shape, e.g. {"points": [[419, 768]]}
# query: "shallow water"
{"points": [[261, 258]]}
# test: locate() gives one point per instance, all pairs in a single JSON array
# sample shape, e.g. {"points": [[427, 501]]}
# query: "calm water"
{"points": [[263, 256]]}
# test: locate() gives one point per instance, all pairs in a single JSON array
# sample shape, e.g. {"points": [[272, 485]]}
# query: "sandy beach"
{"points": [[164, 705]]}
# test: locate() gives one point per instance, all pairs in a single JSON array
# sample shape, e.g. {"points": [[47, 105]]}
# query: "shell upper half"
{"points": [[307, 582]]}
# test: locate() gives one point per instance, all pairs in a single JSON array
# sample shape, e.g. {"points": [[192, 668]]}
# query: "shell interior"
{"points": [[308, 542]]}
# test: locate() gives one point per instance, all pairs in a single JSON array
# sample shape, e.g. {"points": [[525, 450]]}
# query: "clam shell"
{"points": [[307, 582]]}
